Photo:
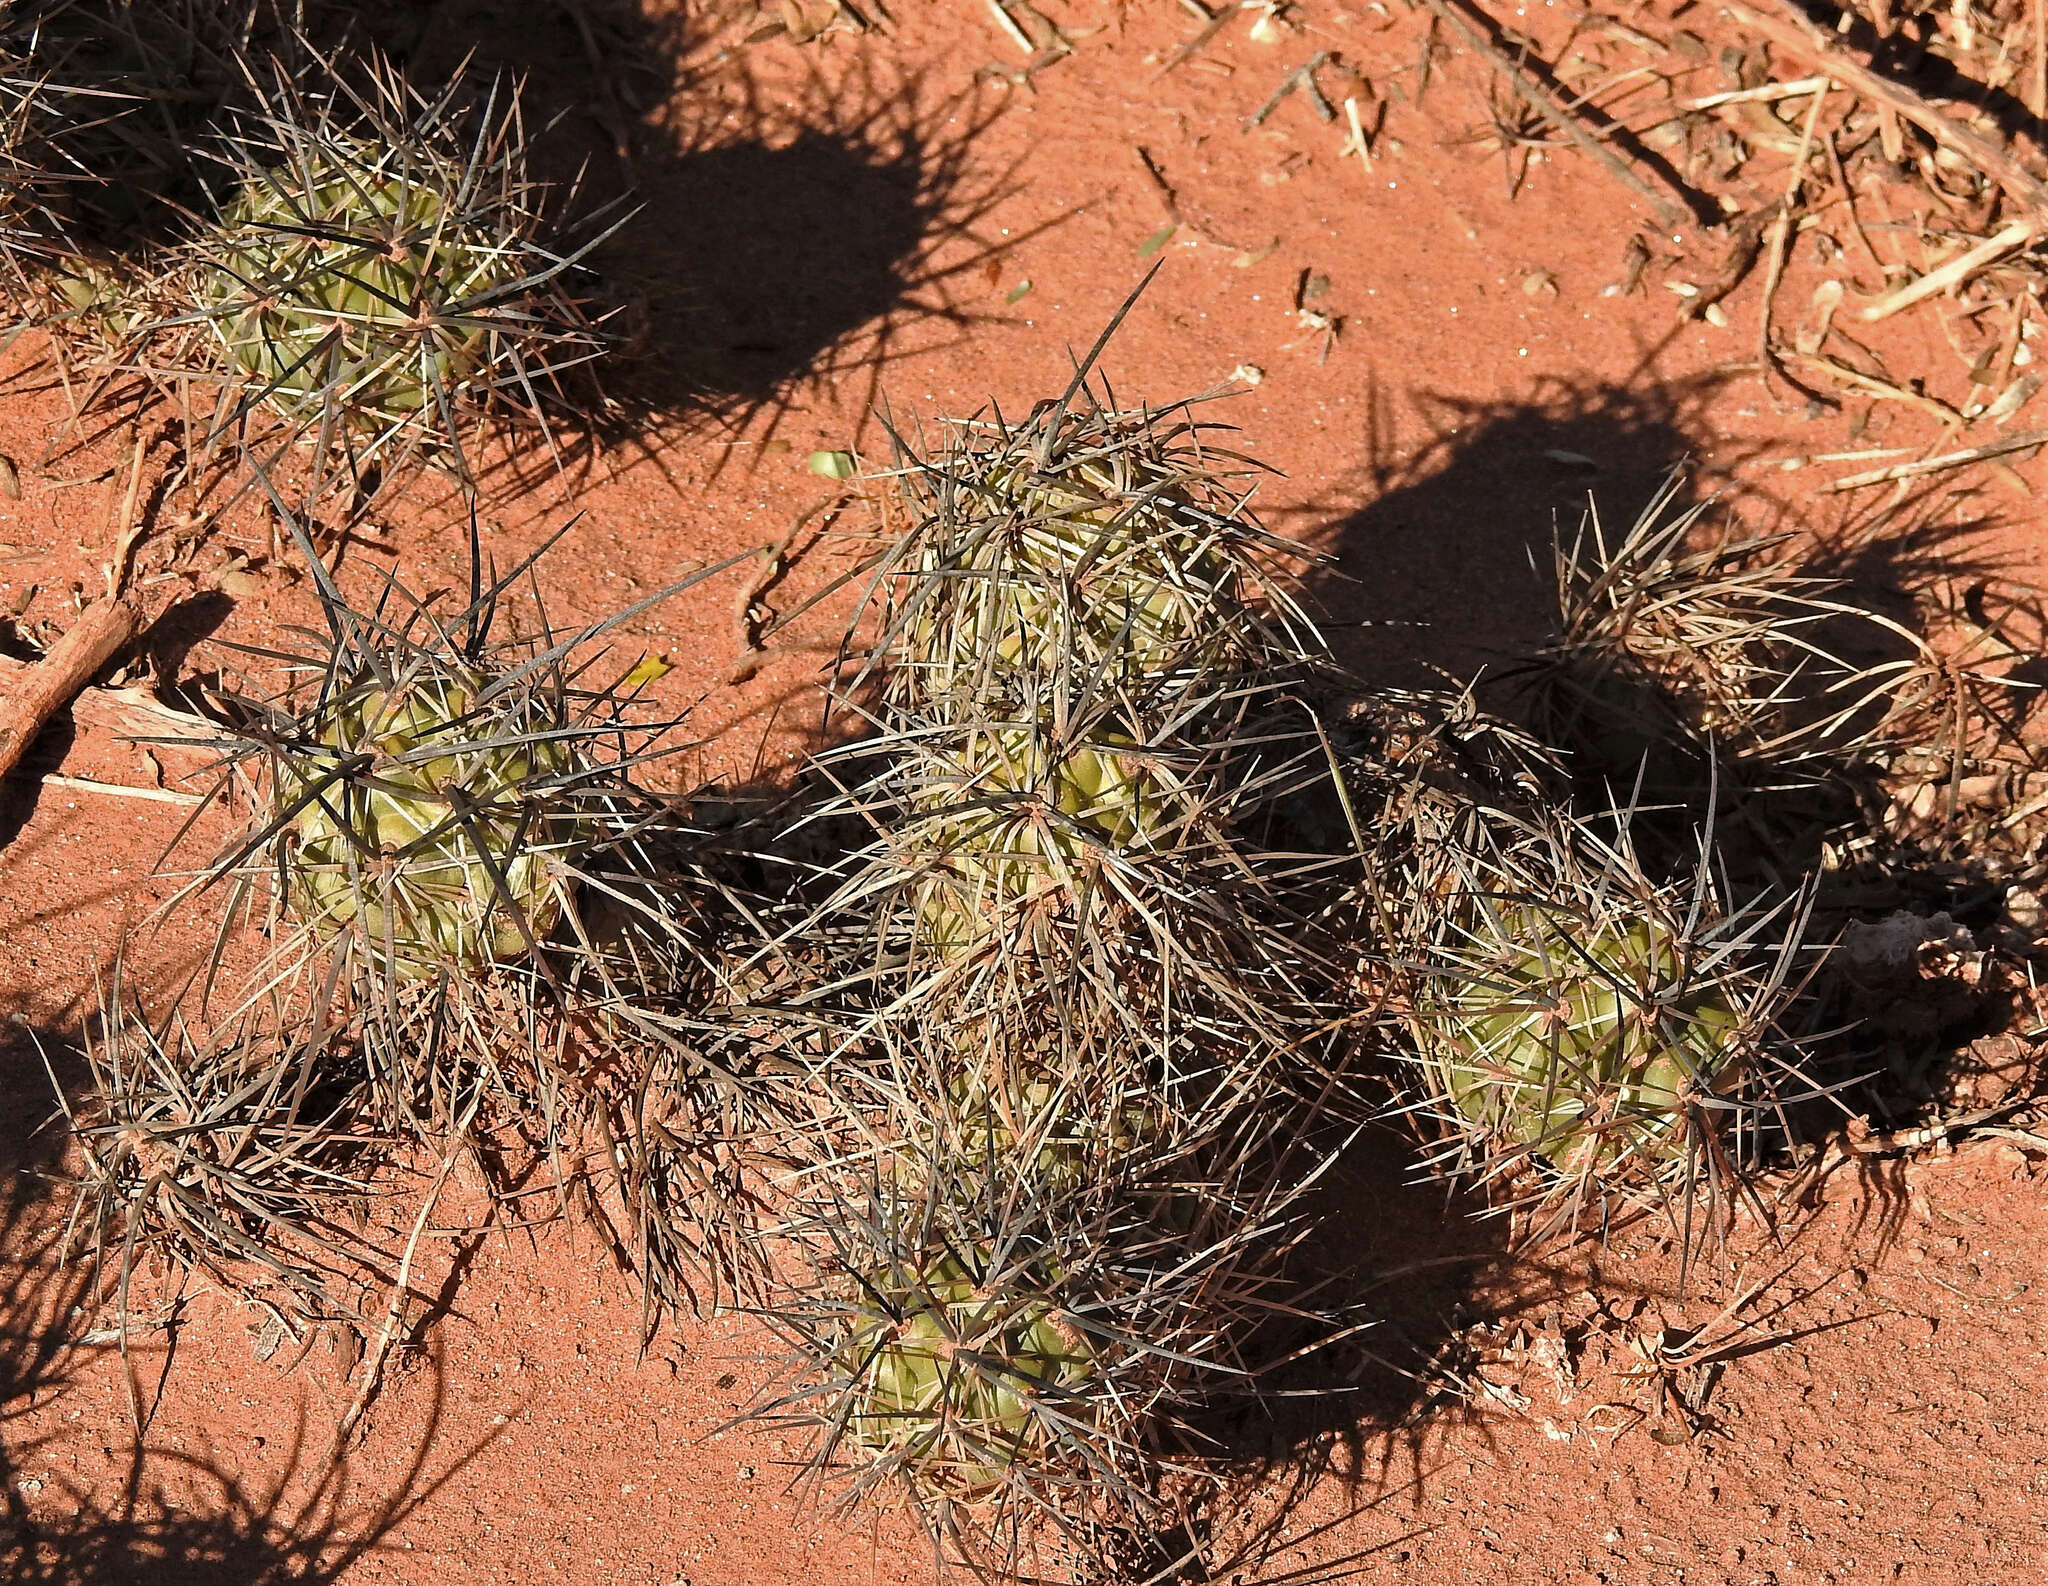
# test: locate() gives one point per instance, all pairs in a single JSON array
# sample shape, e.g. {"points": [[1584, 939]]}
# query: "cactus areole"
{"points": [[420, 824], [1581, 1047]]}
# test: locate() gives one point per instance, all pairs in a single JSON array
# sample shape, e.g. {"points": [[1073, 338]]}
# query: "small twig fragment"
{"points": [[1545, 106], [39, 691], [1302, 74], [2019, 234], [1935, 465]]}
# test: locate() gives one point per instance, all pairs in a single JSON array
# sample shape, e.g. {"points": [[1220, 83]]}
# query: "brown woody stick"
{"points": [[102, 630], [38, 692], [2025, 189]]}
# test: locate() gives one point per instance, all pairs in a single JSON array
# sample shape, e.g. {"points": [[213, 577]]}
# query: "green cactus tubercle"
{"points": [[950, 1372], [1025, 1122], [336, 279], [427, 849], [1581, 1046]]}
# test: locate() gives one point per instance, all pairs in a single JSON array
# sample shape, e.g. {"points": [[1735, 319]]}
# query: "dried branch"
{"points": [[102, 631], [1988, 155], [1538, 99]]}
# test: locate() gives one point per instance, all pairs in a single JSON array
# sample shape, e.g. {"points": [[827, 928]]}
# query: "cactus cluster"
{"points": [[375, 274], [1090, 1065], [1000, 1065]]}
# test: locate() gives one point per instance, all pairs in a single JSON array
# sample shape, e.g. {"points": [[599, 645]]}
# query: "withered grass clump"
{"points": [[244, 1154], [1671, 658]]}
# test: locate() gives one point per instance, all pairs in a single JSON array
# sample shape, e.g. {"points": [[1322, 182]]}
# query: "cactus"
{"points": [[233, 1151], [1584, 1050], [962, 1369], [419, 820], [1571, 1013], [1102, 544], [1667, 657], [376, 276], [1015, 1356], [1007, 817], [452, 840]]}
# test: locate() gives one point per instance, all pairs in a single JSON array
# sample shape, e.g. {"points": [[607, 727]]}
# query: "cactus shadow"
{"points": [[1446, 569], [780, 220], [804, 225], [1397, 1268]]}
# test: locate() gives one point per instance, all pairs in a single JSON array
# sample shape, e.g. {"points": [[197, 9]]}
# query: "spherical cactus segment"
{"points": [[1583, 1047], [1089, 542], [420, 824], [344, 278], [1085, 558], [1010, 816], [962, 1371], [1004, 1114]]}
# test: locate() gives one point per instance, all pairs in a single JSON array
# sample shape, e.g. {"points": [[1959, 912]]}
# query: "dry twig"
{"points": [[2027, 191], [38, 692], [1532, 93], [1956, 271], [1935, 465]]}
